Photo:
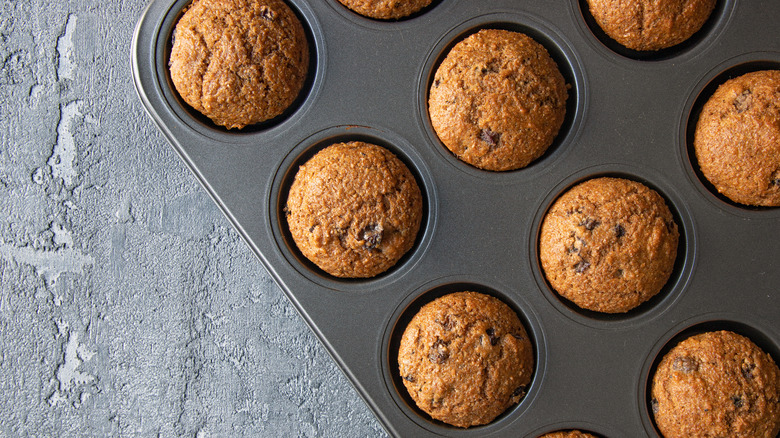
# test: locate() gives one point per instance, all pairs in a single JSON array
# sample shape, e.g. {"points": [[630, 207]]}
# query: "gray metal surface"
{"points": [[128, 304]]}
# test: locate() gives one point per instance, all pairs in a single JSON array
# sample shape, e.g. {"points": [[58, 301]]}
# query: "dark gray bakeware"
{"points": [[629, 114]]}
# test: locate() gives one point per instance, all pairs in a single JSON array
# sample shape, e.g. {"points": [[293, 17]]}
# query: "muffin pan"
{"points": [[629, 115]]}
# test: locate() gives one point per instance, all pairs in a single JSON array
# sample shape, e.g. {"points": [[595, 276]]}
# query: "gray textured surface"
{"points": [[129, 307]]}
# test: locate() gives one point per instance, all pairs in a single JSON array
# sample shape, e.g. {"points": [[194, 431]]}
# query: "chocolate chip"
{"points": [[439, 352], [447, 324], [518, 336], [737, 401], [747, 371], [589, 224], [654, 405], [492, 335], [436, 83], [266, 13], [581, 266], [519, 392], [409, 378], [685, 364], [619, 273], [743, 102], [619, 231], [372, 236], [490, 137]]}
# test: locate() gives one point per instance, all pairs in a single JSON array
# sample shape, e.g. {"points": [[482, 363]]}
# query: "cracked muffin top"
{"points": [[465, 358], [717, 384], [239, 62], [649, 25], [737, 139], [608, 244], [386, 9], [354, 209], [498, 100]]}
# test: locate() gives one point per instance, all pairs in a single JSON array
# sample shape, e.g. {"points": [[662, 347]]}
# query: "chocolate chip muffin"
{"points": [[649, 25], [354, 209], [239, 62], [465, 358], [386, 9], [498, 100], [608, 244], [717, 384], [737, 139], [568, 434]]}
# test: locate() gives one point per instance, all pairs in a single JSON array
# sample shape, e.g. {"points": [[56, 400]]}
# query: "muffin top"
{"points": [[498, 100], [354, 209], [608, 244], [567, 434], [649, 25], [737, 140], [386, 9], [465, 358], [717, 384], [239, 62]]}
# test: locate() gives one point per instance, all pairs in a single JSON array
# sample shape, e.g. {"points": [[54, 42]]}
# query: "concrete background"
{"points": [[129, 306]]}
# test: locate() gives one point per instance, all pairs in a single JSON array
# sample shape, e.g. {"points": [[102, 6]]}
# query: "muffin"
{"points": [[465, 358], [239, 62], [717, 384], [386, 9], [568, 434], [498, 100], [737, 139], [649, 25], [608, 244], [354, 209]]}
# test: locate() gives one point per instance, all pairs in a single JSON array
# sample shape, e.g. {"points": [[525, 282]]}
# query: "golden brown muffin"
{"points": [[737, 139], [567, 434], [608, 244], [386, 9], [239, 62], [717, 384], [354, 209], [465, 358], [497, 100], [648, 25]]}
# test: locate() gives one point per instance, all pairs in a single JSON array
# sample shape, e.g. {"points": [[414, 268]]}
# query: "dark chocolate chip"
{"points": [[685, 364], [654, 405], [436, 83], [743, 102], [589, 224], [619, 273], [447, 324], [490, 137], [620, 231], [519, 392], [747, 371], [372, 236], [737, 401], [492, 335], [409, 378], [518, 336], [581, 266], [439, 352], [266, 13]]}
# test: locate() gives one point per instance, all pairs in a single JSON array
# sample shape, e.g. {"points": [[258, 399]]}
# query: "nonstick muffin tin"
{"points": [[629, 114]]}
